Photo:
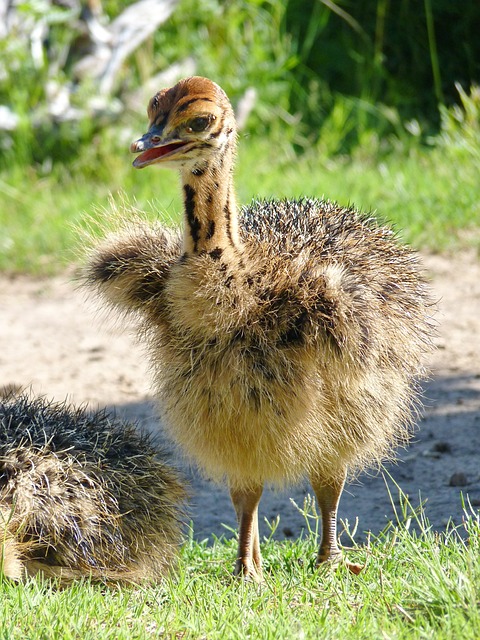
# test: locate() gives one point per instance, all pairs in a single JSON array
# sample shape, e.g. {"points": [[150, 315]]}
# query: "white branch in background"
{"points": [[125, 34], [110, 44], [4, 18], [245, 107]]}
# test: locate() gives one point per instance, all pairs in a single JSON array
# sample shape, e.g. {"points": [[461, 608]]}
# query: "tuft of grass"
{"points": [[416, 584]]}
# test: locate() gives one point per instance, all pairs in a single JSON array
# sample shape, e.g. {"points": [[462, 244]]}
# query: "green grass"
{"points": [[415, 585], [430, 193], [331, 78], [432, 196]]}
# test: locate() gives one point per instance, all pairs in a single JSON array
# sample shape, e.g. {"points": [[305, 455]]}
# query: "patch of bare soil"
{"points": [[56, 341]]}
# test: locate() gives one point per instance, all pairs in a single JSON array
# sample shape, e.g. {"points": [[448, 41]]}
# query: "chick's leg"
{"points": [[249, 559], [328, 497]]}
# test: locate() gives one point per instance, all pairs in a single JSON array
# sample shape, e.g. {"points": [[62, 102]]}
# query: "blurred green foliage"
{"points": [[334, 73], [403, 54], [369, 101]]}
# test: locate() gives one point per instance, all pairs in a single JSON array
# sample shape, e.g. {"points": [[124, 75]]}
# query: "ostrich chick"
{"points": [[83, 495], [286, 337]]}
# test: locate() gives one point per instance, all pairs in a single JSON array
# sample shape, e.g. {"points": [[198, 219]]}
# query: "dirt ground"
{"points": [[56, 341]]}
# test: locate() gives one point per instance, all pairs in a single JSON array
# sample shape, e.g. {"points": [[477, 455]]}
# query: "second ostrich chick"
{"points": [[83, 495], [287, 337]]}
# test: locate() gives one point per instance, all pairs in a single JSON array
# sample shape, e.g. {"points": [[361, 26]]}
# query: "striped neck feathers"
{"points": [[210, 208]]}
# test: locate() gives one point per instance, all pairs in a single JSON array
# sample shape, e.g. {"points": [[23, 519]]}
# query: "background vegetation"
{"points": [[369, 101]]}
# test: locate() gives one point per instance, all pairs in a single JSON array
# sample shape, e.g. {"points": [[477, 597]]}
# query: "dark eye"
{"points": [[198, 124]]}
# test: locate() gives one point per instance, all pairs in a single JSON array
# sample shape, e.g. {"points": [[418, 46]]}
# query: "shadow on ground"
{"points": [[439, 467]]}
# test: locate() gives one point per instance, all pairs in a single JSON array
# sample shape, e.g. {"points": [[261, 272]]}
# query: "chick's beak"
{"points": [[153, 147]]}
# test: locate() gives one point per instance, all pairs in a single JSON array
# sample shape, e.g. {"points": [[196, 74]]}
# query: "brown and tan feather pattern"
{"points": [[287, 337], [83, 495]]}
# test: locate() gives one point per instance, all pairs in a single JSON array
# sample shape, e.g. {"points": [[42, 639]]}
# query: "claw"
{"points": [[337, 560], [248, 571]]}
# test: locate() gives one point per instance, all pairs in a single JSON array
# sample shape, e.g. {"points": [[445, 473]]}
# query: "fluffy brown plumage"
{"points": [[287, 337], [83, 495]]}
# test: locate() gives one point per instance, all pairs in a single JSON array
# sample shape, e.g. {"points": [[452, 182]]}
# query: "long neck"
{"points": [[210, 206]]}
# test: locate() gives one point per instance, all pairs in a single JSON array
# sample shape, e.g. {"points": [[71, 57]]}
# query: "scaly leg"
{"points": [[328, 497], [249, 559]]}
